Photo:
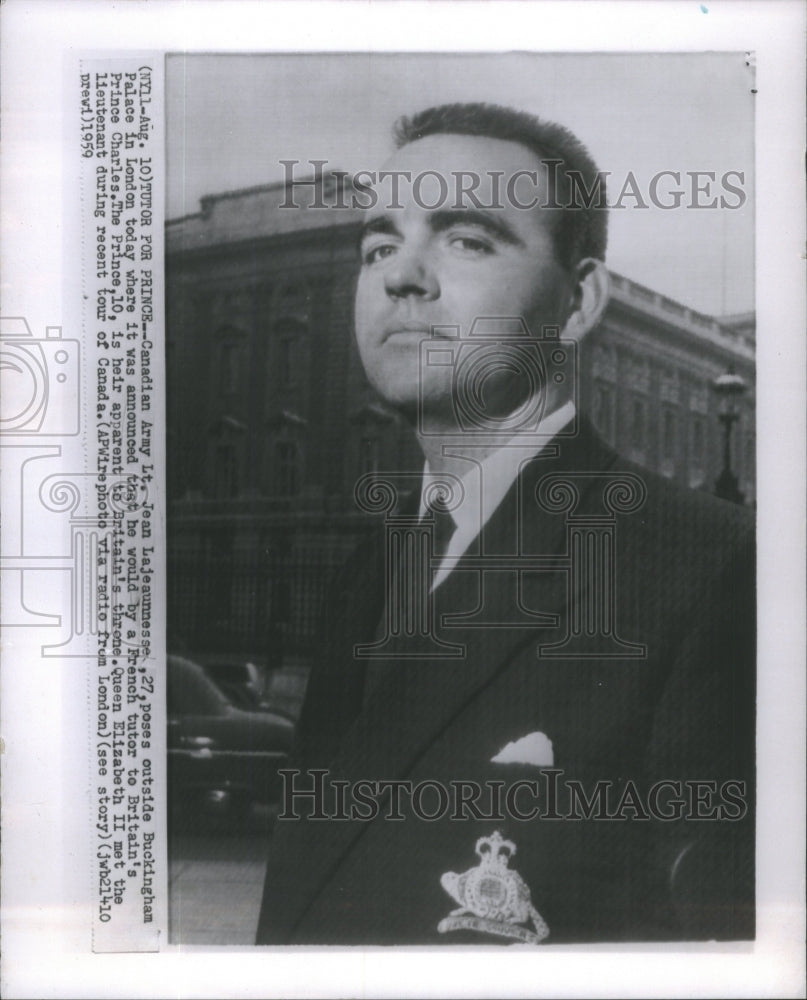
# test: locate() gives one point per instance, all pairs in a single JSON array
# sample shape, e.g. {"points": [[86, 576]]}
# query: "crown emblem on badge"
{"points": [[493, 897]]}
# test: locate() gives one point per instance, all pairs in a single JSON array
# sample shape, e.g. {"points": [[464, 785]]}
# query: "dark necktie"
{"points": [[444, 527]]}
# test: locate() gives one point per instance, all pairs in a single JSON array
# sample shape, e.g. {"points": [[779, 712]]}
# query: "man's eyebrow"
{"points": [[444, 218], [382, 224]]}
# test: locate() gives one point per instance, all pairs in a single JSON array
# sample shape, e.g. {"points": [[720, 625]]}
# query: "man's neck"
{"points": [[445, 452], [452, 460]]}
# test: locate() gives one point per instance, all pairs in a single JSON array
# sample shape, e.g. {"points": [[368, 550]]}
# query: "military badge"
{"points": [[493, 898]]}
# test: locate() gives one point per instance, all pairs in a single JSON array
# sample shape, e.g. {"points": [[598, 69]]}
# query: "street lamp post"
{"points": [[729, 389]]}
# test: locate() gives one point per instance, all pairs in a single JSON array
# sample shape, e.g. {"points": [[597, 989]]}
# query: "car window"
{"points": [[191, 691]]}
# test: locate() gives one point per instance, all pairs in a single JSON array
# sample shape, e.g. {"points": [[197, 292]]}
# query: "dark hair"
{"points": [[583, 228]]}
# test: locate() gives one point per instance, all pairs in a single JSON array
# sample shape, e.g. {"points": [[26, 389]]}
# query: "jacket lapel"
{"points": [[416, 700]]}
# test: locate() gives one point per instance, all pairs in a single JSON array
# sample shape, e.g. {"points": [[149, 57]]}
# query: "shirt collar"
{"points": [[498, 471]]}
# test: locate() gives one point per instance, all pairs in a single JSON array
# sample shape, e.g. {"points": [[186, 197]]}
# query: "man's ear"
{"points": [[590, 295]]}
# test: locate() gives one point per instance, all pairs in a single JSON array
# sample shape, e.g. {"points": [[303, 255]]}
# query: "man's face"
{"points": [[448, 266]]}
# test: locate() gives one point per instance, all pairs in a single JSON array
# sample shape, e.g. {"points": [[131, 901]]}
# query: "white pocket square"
{"points": [[534, 748]]}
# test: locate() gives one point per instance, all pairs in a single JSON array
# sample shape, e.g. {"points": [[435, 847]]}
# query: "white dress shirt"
{"points": [[485, 484]]}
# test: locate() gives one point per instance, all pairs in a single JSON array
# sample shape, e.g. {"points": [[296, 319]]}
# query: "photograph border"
{"points": [[43, 820]]}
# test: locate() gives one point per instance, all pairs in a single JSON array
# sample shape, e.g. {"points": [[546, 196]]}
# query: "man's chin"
{"points": [[420, 413], [414, 396], [407, 409]]}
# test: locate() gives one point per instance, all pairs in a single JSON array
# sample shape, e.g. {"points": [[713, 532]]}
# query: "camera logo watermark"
{"points": [[61, 527], [498, 380], [498, 353], [40, 381]]}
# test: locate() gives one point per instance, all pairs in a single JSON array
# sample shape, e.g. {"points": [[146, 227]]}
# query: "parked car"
{"points": [[248, 683], [285, 689], [222, 758], [243, 681]]}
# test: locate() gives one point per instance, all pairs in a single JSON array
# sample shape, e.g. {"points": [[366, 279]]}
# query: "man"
{"points": [[548, 719]]}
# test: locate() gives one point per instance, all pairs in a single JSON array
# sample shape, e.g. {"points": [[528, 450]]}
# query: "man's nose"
{"points": [[410, 274]]}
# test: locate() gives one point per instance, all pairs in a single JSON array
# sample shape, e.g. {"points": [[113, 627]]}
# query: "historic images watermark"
{"points": [[550, 187], [551, 796]]}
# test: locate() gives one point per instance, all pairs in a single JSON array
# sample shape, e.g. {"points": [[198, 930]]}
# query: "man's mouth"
{"points": [[410, 329]]}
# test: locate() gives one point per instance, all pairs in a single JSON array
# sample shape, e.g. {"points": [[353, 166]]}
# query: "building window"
{"points": [[368, 455], [230, 369], [604, 411], [669, 442], [285, 355], [749, 458], [697, 452], [286, 361], [669, 436], [638, 426], [697, 443], [226, 482], [286, 468]]}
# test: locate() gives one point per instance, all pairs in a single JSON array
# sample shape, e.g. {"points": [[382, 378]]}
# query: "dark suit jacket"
{"points": [[684, 589]]}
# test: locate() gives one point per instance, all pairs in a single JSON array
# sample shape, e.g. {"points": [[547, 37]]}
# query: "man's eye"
{"points": [[471, 245], [374, 254]]}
